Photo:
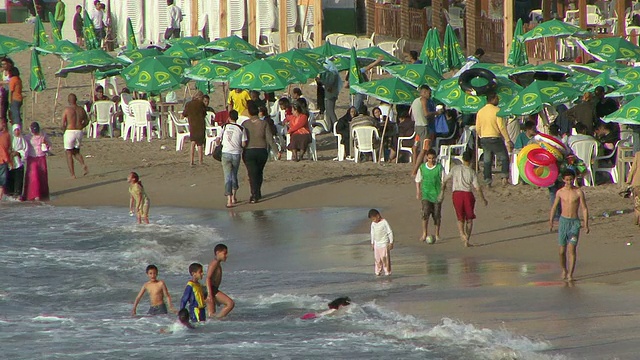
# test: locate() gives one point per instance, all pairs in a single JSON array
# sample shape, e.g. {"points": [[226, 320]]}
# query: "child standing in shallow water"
{"points": [[139, 198], [381, 242]]}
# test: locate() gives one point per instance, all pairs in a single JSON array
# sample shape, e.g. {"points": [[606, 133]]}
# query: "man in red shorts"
{"points": [[464, 181]]}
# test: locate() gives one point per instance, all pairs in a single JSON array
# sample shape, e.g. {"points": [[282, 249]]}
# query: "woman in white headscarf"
{"points": [[16, 175]]}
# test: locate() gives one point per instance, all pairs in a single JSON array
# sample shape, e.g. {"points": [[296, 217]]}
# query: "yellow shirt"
{"points": [[489, 124], [239, 100]]}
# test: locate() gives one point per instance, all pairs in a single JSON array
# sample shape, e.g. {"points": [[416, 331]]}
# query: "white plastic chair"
{"points": [[613, 170], [586, 150], [266, 17], [515, 174], [445, 138], [456, 23], [210, 118], [182, 129], [128, 123], [213, 133], [341, 148], [273, 43], [293, 40], [408, 149], [400, 43], [141, 110], [362, 43], [364, 138], [333, 38], [312, 149], [389, 47], [347, 41], [103, 112]]}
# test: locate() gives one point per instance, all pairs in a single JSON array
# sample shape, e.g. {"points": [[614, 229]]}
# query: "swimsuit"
{"points": [[158, 310], [568, 231], [193, 300]]}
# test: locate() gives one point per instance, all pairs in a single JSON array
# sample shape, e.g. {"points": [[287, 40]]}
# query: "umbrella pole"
{"points": [[476, 153], [55, 101], [384, 130], [33, 104]]}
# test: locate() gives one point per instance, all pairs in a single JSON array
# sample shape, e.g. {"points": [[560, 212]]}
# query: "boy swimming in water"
{"points": [[183, 319], [157, 290], [214, 278], [334, 306], [193, 298]]}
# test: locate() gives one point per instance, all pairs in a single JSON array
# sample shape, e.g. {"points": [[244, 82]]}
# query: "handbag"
{"points": [[217, 152]]}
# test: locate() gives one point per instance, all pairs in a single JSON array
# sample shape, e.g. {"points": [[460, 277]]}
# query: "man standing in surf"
{"points": [[570, 199], [214, 278], [74, 120]]}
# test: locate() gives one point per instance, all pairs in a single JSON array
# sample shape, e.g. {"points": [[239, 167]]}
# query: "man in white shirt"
{"points": [[97, 17], [174, 14]]}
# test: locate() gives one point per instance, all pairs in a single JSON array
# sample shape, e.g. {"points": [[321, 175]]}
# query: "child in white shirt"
{"points": [[381, 242]]}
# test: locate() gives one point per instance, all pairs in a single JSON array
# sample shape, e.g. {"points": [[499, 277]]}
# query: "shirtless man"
{"points": [[214, 278], [157, 290], [74, 120], [570, 199]]}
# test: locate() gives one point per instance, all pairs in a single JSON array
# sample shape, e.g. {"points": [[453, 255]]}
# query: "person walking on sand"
{"points": [[233, 139], [570, 199], [464, 181], [5, 155], [59, 14], [493, 135], [174, 18], [195, 111], [428, 181], [214, 278], [77, 25], [139, 199], [74, 119], [381, 243]]}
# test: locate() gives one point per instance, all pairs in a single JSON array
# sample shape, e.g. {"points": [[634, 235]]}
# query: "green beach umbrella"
{"points": [[355, 75], [90, 39], [552, 28], [132, 43], [131, 56], [99, 75], [55, 30], [327, 49], [233, 43], [36, 78], [629, 114], [628, 74], [497, 69], [597, 67], [232, 57], [580, 80], [451, 50], [305, 64], [450, 94], [371, 54], [429, 52], [415, 74], [548, 68], [605, 79], [532, 98], [518, 53], [628, 90], [185, 51], [208, 71], [39, 34], [189, 40], [89, 61], [611, 49], [265, 75], [63, 48], [155, 74], [391, 90], [9, 45]]}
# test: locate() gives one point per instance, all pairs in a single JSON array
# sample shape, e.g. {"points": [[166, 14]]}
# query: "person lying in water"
{"points": [[183, 321], [334, 306]]}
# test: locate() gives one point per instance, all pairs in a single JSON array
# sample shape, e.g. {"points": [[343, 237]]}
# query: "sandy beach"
{"points": [[509, 279]]}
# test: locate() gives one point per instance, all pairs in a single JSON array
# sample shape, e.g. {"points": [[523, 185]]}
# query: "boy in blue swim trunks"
{"points": [[571, 199], [194, 297]]}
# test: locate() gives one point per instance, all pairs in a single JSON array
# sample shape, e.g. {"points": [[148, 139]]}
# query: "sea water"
{"points": [[69, 277]]}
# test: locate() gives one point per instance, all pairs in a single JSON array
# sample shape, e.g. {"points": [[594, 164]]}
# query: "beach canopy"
{"points": [[189, 40], [307, 65], [36, 78], [547, 68], [532, 99], [611, 49], [628, 74], [233, 57], [355, 74], [431, 53], [552, 28], [327, 50], [451, 50], [629, 89], [233, 43], [39, 34], [132, 43], [185, 51], [597, 67], [131, 56], [605, 79], [265, 75], [63, 48], [629, 114], [9, 45], [415, 74], [155, 74], [391, 90], [55, 30], [208, 71], [451, 94], [89, 32], [518, 53], [89, 61]]}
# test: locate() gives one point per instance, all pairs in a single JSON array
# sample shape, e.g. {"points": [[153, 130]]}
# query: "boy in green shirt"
{"points": [[429, 190]]}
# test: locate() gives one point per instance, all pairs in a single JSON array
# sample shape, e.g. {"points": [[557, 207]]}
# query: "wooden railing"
{"points": [[388, 20], [418, 24], [490, 34]]}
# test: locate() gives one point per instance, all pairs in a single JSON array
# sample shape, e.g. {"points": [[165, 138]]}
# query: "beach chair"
{"points": [[266, 18], [408, 149], [586, 150], [333, 38], [213, 133], [236, 19], [447, 138], [364, 138], [611, 170], [141, 110], [182, 129], [362, 43], [341, 148], [103, 112], [312, 150], [293, 40], [347, 41]]}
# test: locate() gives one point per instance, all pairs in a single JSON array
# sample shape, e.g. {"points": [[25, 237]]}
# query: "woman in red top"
{"points": [[15, 89], [299, 131]]}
